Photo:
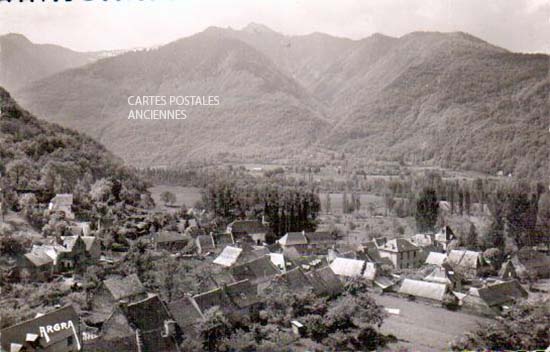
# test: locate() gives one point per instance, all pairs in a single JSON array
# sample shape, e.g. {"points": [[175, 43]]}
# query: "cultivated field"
{"points": [[187, 196]]}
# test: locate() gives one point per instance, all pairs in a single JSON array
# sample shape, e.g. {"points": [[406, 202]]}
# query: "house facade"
{"points": [[402, 253]]}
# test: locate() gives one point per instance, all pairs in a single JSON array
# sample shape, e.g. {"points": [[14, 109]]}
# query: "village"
{"points": [[239, 266]]}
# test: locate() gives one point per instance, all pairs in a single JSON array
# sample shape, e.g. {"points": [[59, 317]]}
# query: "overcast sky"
{"points": [[518, 25]]}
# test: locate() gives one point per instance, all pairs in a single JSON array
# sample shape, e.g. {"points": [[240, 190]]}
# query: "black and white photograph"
{"points": [[274, 175]]}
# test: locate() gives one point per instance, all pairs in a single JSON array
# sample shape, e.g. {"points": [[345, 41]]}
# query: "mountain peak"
{"points": [[257, 28], [16, 37]]}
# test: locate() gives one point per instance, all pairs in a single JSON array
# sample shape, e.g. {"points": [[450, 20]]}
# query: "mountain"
{"points": [[45, 158], [262, 111], [22, 62], [446, 99]]}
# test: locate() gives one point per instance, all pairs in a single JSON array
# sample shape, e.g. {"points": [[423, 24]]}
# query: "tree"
{"points": [[524, 327], [471, 239], [426, 210], [327, 203], [168, 198]]}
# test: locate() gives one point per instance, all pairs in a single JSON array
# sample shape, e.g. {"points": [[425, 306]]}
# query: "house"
{"points": [[310, 243], [279, 260], [37, 266], [90, 244], [435, 258], [114, 290], [229, 256], [402, 253], [253, 230], [205, 244], [439, 275], [58, 330], [80, 228], [507, 271], [444, 237], [146, 321], [422, 240], [293, 280], [493, 298], [325, 282], [169, 241], [346, 267], [259, 271], [62, 203], [469, 264], [422, 289], [530, 263], [186, 313]]}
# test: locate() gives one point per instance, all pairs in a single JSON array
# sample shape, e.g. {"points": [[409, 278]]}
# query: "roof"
{"points": [[247, 226], [255, 270], [62, 200], [213, 298], [17, 334], [278, 259], [502, 292], [347, 267], [320, 238], [51, 251], [398, 245], [242, 293], [292, 239], [294, 279], [205, 242], [423, 289], [149, 316], [464, 258], [221, 239], [39, 259], [184, 312], [252, 254], [168, 236], [228, 256], [325, 281], [438, 275], [125, 287], [528, 261], [70, 241], [422, 240], [435, 258]]}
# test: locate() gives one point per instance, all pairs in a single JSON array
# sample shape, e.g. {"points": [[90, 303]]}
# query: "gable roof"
{"points": [[502, 292], [213, 298], [464, 258], [292, 239], [168, 236], [259, 269], [422, 240], [294, 279], [242, 293], [438, 275], [250, 254], [423, 289], [39, 259], [398, 245], [17, 334], [70, 241], [347, 267], [206, 242], [445, 234], [278, 259], [435, 258], [528, 261], [228, 256], [319, 238], [325, 281], [221, 239], [121, 288], [65, 199], [247, 226], [184, 312]]}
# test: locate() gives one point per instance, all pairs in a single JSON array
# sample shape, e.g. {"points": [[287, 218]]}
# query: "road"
{"points": [[423, 327]]}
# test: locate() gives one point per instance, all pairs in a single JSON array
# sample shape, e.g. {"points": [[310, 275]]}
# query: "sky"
{"points": [[87, 25]]}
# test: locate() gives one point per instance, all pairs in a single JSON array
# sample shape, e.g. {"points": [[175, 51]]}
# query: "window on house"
{"points": [[70, 341]]}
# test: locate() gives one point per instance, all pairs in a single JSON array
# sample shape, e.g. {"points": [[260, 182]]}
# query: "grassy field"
{"points": [[187, 196], [423, 327]]}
